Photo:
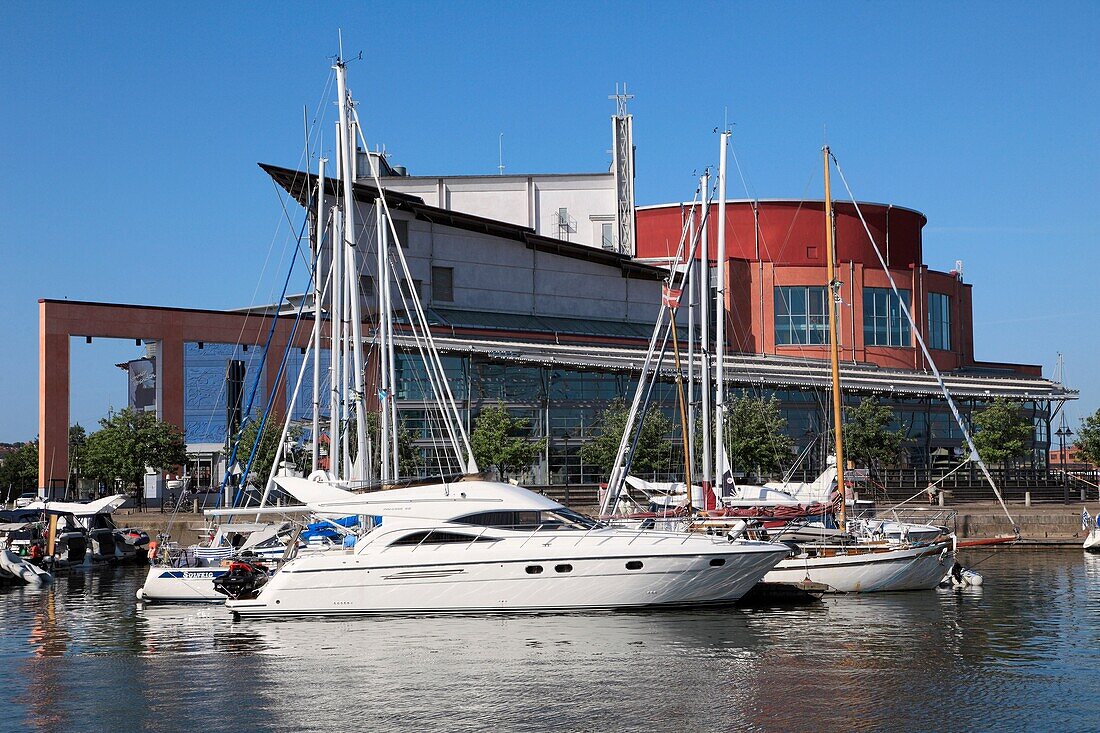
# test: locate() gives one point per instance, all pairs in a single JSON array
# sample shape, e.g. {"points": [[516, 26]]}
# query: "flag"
{"points": [[1086, 520], [670, 297], [728, 485]]}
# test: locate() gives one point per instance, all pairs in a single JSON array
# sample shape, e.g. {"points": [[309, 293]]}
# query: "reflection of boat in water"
{"points": [[479, 546]]}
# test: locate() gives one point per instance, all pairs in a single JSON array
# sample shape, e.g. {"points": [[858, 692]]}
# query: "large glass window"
{"points": [[939, 321], [801, 315], [884, 322]]}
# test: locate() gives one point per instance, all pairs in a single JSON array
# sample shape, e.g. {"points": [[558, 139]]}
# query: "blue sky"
{"points": [[132, 132]]}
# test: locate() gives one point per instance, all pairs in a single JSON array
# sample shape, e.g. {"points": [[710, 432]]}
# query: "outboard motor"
{"points": [[243, 580]]}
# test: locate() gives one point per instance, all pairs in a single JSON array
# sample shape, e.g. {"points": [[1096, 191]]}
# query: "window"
{"points": [[443, 284], [534, 569], [634, 565], [563, 568], [607, 237], [717, 562], [527, 520], [884, 323], [417, 288], [366, 286], [801, 315], [939, 321], [402, 228], [438, 537]]}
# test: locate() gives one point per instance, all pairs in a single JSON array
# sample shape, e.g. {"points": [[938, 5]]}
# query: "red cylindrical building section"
{"points": [[778, 247], [791, 232]]}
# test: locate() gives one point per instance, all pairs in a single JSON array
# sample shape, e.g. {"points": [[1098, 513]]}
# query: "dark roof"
{"points": [[299, 185], [538, 324]]}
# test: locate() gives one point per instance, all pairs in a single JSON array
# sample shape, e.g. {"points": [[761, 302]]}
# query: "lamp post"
{"points": [[1063, 432]]}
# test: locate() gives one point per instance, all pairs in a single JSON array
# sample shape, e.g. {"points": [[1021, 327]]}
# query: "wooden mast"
{"points": [[834, 332]]}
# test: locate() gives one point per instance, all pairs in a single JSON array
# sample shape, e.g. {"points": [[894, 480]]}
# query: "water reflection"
{"points": [[1006, 655]]}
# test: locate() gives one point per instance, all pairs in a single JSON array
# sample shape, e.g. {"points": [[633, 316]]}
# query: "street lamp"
{"points": [[1063, 432]]}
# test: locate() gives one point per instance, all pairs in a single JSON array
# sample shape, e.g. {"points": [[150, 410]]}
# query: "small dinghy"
{"points": [[15, 569]]}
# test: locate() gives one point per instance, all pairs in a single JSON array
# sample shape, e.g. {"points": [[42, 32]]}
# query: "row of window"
{"points": [[802, 317]]}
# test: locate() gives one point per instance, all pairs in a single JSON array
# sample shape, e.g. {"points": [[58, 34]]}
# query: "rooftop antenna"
{"points": [[500, 154]]}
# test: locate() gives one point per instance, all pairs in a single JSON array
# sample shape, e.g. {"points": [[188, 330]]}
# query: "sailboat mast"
{"points": [[834, 333], [383, 348], [318, 238], [720, 324], [704, 329]]}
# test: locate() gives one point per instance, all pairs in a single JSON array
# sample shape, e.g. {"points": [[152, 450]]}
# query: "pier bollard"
{"points": [[194, 506], [1083, 499], [941, 498], [1027, 498]]}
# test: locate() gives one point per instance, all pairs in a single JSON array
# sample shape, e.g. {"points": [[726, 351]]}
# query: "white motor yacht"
{"points": [[482, 547]]}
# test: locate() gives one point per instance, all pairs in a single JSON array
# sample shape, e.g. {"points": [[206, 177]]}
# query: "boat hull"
{"points": [[704, 573], [166, 584], [911, 568], [1092, 542]]}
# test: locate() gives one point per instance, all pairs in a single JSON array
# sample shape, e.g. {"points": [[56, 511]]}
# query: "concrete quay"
{"points": [[1041, 524]]}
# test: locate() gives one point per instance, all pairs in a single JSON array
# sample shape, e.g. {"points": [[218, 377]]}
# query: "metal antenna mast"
{"points": [[622, 165]]}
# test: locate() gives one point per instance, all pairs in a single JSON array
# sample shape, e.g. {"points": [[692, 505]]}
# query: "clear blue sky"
{"points": [[131, 135]]}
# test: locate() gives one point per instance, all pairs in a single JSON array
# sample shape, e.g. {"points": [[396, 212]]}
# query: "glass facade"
{"points": [[564, 406], [939, 321], [801, 315], [884, 322]]}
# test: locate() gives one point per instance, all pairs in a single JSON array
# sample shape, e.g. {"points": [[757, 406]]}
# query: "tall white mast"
{"points": [[720, 324], [354, 312], [318, 239], [704, 328], [689, 265], [336, 325], [382, 282]]}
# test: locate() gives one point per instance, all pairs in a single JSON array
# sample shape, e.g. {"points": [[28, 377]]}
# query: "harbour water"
{"points": [[1021, 653]]}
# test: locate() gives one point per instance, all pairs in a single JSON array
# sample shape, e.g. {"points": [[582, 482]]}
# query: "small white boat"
{"points": [[14, 568], [866, 568], [487, 547], [1092, 541]]}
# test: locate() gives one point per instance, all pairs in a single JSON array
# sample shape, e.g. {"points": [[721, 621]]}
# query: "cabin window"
{"points": [[884, 321], [534, 569], [939, 321], [634, 565], [718, 562], [438, 537], [529, 520], [443, 289], [563, 568], [801, 315]]}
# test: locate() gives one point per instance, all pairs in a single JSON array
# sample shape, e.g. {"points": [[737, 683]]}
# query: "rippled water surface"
{"points": [[1022, 653]]}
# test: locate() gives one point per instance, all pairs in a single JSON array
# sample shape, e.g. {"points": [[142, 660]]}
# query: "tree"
{"points": [[268, 447], [654, 453], [1002, 432], [1088, 438], [128, 442], [19, 470], [754, 435], [500, 440], [78, 436], [868, 441]]}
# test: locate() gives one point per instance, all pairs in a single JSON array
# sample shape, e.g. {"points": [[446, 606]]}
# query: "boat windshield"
{"points": [[529, 520]]}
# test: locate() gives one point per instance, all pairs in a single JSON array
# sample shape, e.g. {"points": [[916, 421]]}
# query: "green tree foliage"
{"points": [[19, 470], [78, 436], [1002, 432], [655, 451], [1088, 438], [755, 440], [500, 440], [127, 442], [868, 440], [268, 446]]}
